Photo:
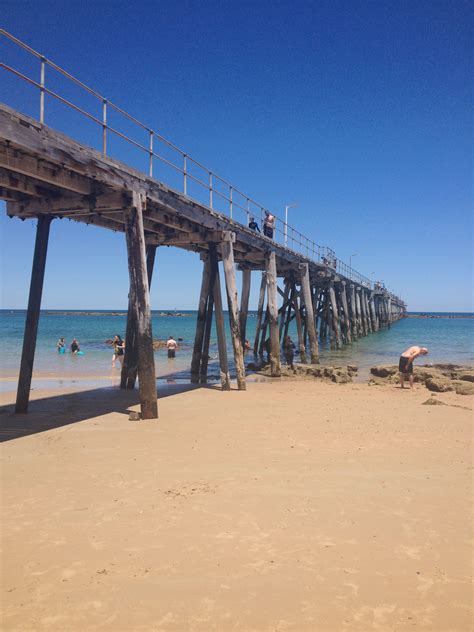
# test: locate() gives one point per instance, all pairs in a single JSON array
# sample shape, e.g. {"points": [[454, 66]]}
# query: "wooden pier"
{"points": [[47, 175]]}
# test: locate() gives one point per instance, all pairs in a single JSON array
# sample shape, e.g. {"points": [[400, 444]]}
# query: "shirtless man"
{"points": [[171, 345], [405, 365]]}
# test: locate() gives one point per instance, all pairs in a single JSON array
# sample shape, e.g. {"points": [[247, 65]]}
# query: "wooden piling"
{"points": [[233, 307], [345, 309], [263, 335], [368, 315], [201, 323], [135, 236], [284, 310], [335, 314], [308, 303], [289, 315], [258, 324], [207, 331], [244, 302], [220, 328], [270, 268], [32, 314], [299, 328], [365, 327], [353, 312], [128, 375], [360, 325]]}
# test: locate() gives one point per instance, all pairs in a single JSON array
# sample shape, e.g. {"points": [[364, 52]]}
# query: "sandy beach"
{"points": [[299, 506]]}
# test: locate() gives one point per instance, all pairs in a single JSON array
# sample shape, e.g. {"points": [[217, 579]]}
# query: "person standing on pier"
{"points": [[268, 224], [171, 345], [253, 225], [405, 365]]}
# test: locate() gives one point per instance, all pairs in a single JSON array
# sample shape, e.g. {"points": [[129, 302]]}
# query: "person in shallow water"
{"points": [[61, 345], [289, 351], [405, 364], [75, 346], [119, 347], [171, 345]]}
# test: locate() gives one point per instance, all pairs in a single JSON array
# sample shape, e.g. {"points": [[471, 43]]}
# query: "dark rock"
{"points": [[383, 371], [352, 368], [439, 385], [432, 401], [466, 377], [463, 388]]}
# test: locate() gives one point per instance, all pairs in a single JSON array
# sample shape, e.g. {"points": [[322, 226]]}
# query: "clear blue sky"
{"points": [[358, 111]]}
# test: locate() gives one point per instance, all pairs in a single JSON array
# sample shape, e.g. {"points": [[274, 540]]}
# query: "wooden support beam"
{"points": [[201, 323], [365, 324], [263, 346], [26, 186], [221, 343], [353, 311], [128, 375], [285, 308], [299, 328], [67, 202], [289, 315], [271, 277], [367, 312], [345, 309], [135, 236], [32, 314], [43, 171], [308, 303], [261, 301], [360, 328], [233, 306], [200, 237], [335, 314], [207, 330], [244, 302]]}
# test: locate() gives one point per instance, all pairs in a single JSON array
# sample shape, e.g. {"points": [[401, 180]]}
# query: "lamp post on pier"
{"points": [[286, 221], [350, 260]]}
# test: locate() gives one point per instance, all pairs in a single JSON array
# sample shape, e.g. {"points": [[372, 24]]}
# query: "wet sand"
{"points": [[299, 506]]}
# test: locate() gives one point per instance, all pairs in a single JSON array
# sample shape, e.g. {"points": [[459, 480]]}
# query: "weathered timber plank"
{"points": [[309, 320], [271, 277], [32, 314], [135, 236], [233, 307]]}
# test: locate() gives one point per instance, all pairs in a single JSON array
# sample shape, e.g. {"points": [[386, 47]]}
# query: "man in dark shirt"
{"points": [[253, 225]]}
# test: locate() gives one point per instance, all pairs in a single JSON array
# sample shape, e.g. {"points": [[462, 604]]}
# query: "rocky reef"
{"points": [[438, 378], [337, 374]]}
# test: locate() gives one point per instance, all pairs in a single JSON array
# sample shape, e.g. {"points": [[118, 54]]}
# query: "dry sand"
{"points": [[297, 506]]}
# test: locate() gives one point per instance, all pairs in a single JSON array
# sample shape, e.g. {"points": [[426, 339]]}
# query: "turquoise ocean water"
{"points": [[448, 339]]}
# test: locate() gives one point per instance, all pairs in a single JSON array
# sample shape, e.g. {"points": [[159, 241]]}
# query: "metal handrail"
{"points": [[233, 197]]}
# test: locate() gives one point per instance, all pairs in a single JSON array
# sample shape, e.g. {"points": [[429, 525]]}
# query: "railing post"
{"points": [[248, 211], [104, 127], [151, 154], [42, 76], [185, 175], [230, 201], [210, 189]]}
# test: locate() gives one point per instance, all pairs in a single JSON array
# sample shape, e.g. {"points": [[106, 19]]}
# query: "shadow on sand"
{"points": [[60, 410]]}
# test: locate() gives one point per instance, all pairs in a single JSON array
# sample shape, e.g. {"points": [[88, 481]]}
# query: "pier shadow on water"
{"points": [[63, 409]]}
